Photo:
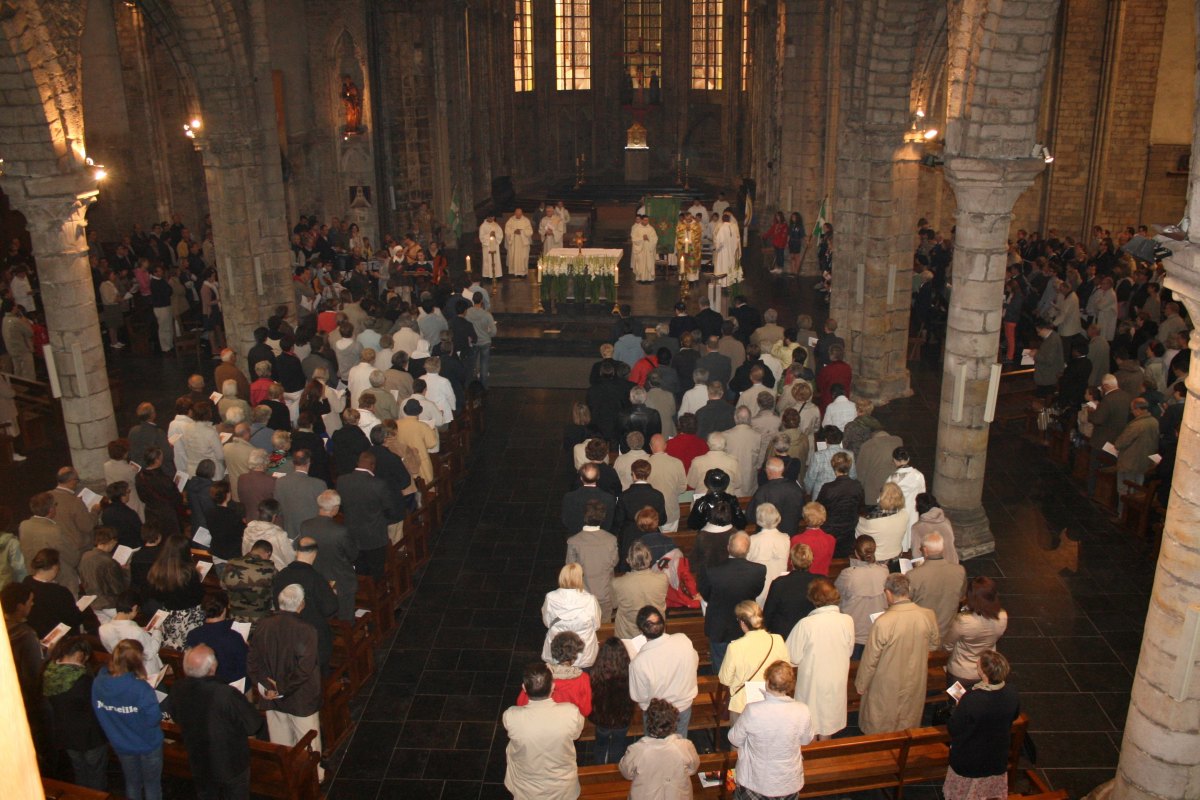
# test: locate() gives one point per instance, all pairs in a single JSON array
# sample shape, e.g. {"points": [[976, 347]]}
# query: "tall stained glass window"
{"points": [[643, 41], [747, 56], [708, 43], [573, 44], [523, 46]]}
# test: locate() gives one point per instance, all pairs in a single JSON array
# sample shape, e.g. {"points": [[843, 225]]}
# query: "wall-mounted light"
{"points": [[917, 132], [98, 170], [1041, 151], [190, 128]]}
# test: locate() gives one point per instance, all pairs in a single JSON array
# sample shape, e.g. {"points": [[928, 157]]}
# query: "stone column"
{"points": [[986, 190], [54, 210], [250, 227]]}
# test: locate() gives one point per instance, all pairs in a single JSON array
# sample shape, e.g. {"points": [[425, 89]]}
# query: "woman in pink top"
{"points": [[822, 543]]}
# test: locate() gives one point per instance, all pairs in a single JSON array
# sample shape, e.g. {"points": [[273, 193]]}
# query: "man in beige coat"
{"points": [[715, 458], [938, 584], [745, 445], [640, 587], [411, 432], [541, 742], [237, 457], [1137, 442], [41, 532], [668, 476], [595, 550], [892, 676], [74, 518], [875, 464]]}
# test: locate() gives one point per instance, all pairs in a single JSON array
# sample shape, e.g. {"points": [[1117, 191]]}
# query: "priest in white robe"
{"points": [[551, 230], [645, 248], [561, 210], [518, 233], [490, 237], [727, 247]]}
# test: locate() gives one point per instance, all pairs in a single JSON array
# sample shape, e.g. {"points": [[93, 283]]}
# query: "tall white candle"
{"points": [[468, 263], [789, 205]]}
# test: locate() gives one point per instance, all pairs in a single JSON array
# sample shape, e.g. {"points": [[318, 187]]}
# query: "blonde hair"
{"points": [[891, 498], [750, 613], [802, 391], [571, 577], [127, 657], [814, 515]]}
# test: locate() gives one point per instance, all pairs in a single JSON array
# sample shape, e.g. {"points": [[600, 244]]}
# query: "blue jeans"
{"points": [[717, 654], [610, 745], [143, 775], [90, 767], [685, 719]]}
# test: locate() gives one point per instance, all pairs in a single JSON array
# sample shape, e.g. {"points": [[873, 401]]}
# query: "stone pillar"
{"points": [[250, 227], [986, 190], [874, 207], [54, 211]]}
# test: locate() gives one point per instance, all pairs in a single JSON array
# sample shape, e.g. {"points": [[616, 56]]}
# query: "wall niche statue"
{"points": [[352, 105]]}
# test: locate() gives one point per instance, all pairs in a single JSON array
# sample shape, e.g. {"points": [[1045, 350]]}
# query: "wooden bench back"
{"points": [[58, 790], [606, 783], [275, 770]]}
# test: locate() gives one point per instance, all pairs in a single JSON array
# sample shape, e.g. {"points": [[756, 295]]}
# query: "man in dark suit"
{"points": [[681, 323], [684, 362], [574, 502], [1108, 420], [640, 417], [785, 495], [606, 399], [842, 497], [639, 495], [749, 318], [708, 321], [826, 340], [370, 508], [716, 414], [147, 434], [320, 602], [724, 586], [297, 493], [336, 551], [719, 367], [389, 467]]}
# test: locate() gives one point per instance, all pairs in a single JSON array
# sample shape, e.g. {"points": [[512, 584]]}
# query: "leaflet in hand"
{"points": [[123, 553], [244, 629], [906, 564], [1027, 358], [1110, 449], [203, 567], [359, 613], [876, 616], [180, 481], [634, 645], [88, 497], [956, 691], [50, 639], [1155, 459], [262, 691], [225, 437], [216, 397], [755, 691], [202, 536], [85, 601], [240, 685], [155, 679], [822, 445], [812, 341], [157, 620]]}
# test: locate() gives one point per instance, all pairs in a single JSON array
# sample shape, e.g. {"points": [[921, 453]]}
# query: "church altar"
{"points": [[588, 274]]}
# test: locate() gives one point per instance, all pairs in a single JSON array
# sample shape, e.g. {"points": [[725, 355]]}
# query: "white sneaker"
{"points": [[18, 457]]}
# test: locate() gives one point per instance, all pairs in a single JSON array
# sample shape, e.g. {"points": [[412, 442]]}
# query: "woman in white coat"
{"points": [[770, 547], [820, 645], [1103, 304], [571, 608]]}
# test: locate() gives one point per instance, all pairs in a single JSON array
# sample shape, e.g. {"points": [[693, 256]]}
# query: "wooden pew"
{"points": [[705, 712], [289, 773], [418, 529], [335, 710], [372, 595], [354, 648], [841, 766], [605, 782], [58, 790]]}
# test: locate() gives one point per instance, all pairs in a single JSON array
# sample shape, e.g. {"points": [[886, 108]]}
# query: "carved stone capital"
{"points": [[53, 204], [990, 186]]}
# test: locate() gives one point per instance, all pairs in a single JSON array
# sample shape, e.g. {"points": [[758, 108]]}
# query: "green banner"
{"points": [[663, 211]]}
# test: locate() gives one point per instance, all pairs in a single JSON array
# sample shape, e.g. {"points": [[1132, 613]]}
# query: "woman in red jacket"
{"points": [[777, 237]]}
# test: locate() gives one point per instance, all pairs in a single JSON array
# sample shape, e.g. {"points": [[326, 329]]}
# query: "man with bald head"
{"points": [[785, 495], [575, 502], [669, 477], [723, 587], [215, 720]]}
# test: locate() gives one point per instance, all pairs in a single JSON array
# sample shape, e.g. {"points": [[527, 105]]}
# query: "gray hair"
{"points": [[229, 388], [637, 395], [739, 545], [770, 316], [898, 585], [257, 459], [700, 376], [933, 544], [767, 516], [234, 415], [329, 500], [291, 598], [716, 441], [640, 557], [742, 416], [199, 662], [376, 378], [781, 446]]}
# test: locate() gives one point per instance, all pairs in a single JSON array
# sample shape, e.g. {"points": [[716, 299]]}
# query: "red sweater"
{"points": [[577, 690], [822, 546], [685, 447], [831, 373], [642, 369]]}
